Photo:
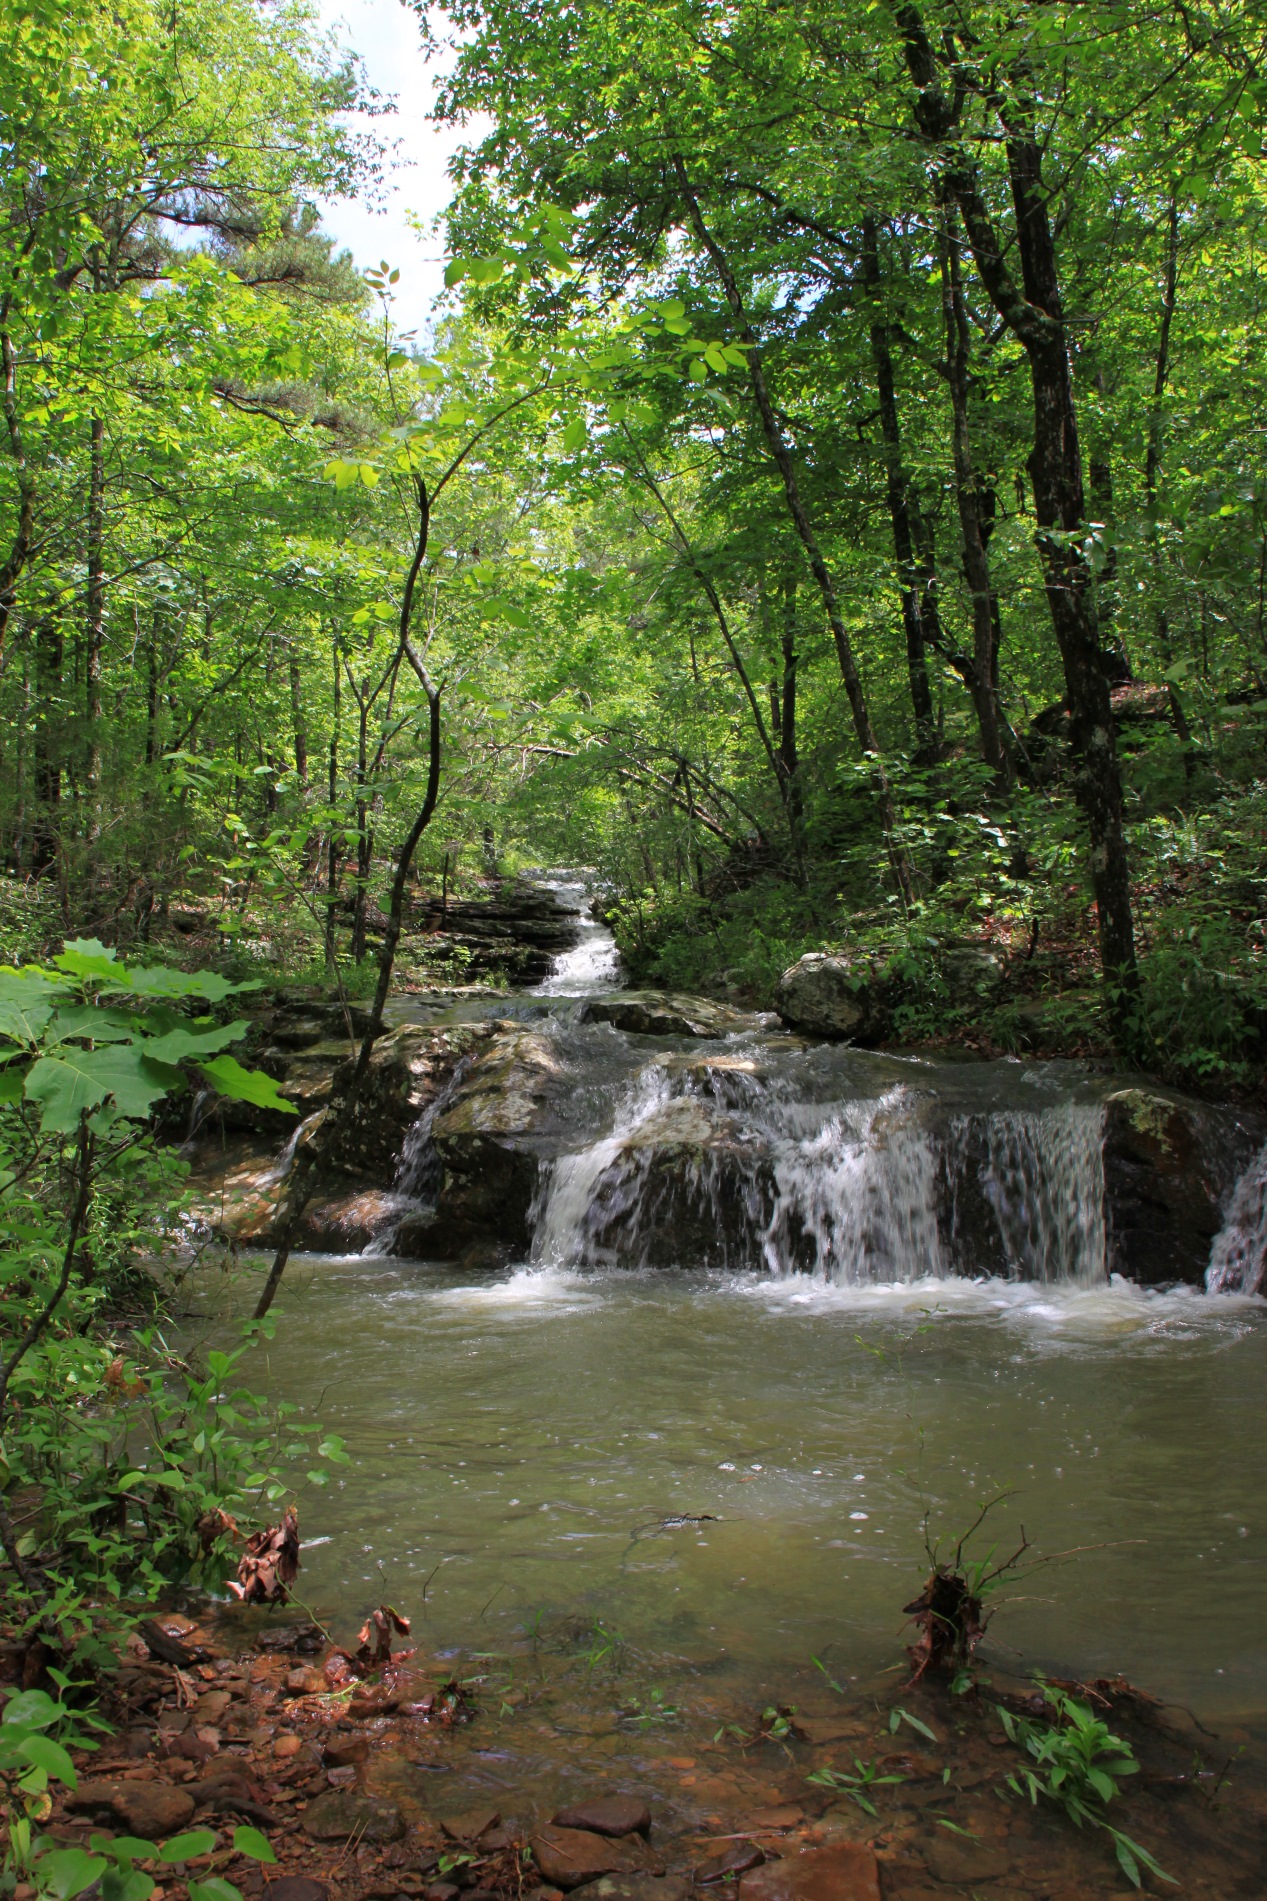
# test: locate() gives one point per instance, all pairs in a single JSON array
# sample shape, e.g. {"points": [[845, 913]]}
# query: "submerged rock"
{"points": [[340, 1814], [845, 1871], [664, 1013], [607, 1815], [569, 1857]]}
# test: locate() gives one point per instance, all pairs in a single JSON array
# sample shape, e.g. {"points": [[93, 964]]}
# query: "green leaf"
{"points": [[215, 1888], [176, 1045], [227, 1076], [71, 1085], [12, 1085], [575, 435], [50, 1757], [34, 1708], [66, 1872], [196, 1841], [86, 957], [455, 270], [249, 1841]]}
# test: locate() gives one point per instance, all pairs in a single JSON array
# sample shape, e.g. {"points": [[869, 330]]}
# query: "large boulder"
{"points": [[492, 1135], [841, 995], [663, 1013], [1170, 1165]]}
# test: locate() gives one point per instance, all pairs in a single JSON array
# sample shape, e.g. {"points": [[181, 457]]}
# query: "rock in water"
{"points": [[607, 1815], [846, 1871], [340, 1814], [663, 1013], [569, 1857]]}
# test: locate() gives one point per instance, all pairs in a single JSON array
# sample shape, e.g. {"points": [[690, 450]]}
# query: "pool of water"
{"points": [[522, 1445]]}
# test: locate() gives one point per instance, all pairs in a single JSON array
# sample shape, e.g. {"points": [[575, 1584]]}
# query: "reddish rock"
{"points": [[780, 1818], [297, 1888], [149, 1809], [737, 1859], [339, 1814], [469, 1826], [846, 1871], [342, 1752], [614, 1815], [952, 1858], [568, 1857]]}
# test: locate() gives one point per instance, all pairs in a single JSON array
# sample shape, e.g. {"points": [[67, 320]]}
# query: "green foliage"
{"points": [[856, 1783], [1077, 1763]]}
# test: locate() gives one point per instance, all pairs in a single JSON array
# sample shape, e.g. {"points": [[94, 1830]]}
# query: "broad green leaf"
{"points": [[66, 1872], [177, 1044], [249, 1841], [87, 957], [227, 1076], [77, 1081], [50, 1757], [575, 435], [158, 981], [214, 1888], [196, 1841], [12, 1085], [35, 1708]]}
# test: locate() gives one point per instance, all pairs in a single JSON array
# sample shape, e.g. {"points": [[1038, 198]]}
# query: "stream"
{"points": [[705, 1426]]}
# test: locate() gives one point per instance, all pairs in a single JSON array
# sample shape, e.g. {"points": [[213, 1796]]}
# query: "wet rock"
{"points": [[636, 1887], [1169, 1166], [490, 1136], [569, 1857], [469, 1826], [408, 1070], [952, 1858], [737, 1859], [665, 1013], [841, 996], [845, 1871], [690, 1186], [342, 1751], [340, 1814], [776, 1819], [148, 1809], [614, 1815]]}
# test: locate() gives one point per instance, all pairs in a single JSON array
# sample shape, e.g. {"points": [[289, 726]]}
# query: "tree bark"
{"points": [[902, 504], [981, 675], [94, 630], [1033, 312], [782, 455], [1152, 474]]}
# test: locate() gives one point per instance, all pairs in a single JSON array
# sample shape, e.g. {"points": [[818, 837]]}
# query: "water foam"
{"points": [[1238, 1254]]}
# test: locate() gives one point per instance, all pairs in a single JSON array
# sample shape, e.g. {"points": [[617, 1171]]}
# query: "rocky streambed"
{"points": [[543, 1773]]}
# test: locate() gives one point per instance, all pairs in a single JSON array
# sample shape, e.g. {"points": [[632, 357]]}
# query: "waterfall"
{"points": [[1045, 1183], [1238, 1253], [708, 1162]]}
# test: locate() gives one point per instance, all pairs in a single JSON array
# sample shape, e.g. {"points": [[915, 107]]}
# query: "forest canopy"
{"points": [[829, 503]]}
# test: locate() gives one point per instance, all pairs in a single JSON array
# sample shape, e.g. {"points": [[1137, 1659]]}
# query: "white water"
{"points": [[1238, 1256], [862, 1192], [592, 966]]}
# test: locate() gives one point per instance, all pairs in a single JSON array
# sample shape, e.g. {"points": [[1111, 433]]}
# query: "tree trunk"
{"points": [[95, 626], [1152, 473], [49, 717], [782, 455], [297, 723], [981, 676], [1034, 314], [332, 848], [902, 505]]}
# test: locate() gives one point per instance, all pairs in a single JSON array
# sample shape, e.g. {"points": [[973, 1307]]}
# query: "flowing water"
{"points": [[788, 1313]]}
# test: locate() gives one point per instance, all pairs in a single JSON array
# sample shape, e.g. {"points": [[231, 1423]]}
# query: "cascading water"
{"points": [[707, 1161], [593, 964], [1238, 1255]]}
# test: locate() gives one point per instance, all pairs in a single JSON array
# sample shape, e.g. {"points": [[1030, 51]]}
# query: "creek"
{"points": [[751, 1300]]}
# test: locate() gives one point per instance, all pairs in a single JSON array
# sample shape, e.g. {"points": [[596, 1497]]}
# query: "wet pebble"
{"points": [[614, 1815]]}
